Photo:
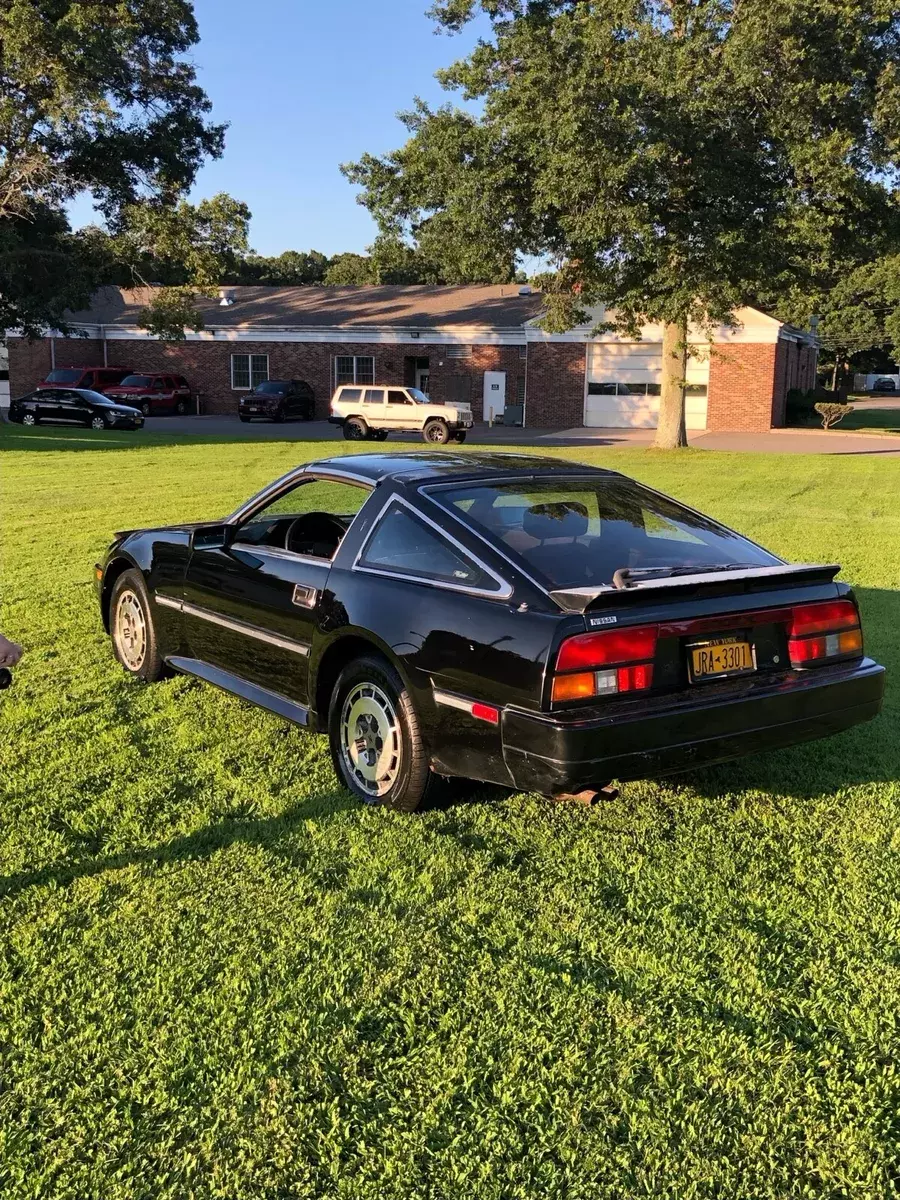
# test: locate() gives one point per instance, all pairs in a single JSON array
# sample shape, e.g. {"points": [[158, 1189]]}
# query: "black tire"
{"points": [[145, 408], [381, 435], [279, 416], [308, 413], [355, 430], [181, 407], [129, 594], [371, 680], [246, 420], [436, 432], [460, 437]]}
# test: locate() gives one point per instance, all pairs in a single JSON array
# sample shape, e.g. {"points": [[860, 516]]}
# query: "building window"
{"points": [[520, 390], [354, 368], [640, 389], [523, 351], [248, 370]]}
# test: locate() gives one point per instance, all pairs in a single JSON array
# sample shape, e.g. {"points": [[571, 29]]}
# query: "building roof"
{"points": [[408, 306]]}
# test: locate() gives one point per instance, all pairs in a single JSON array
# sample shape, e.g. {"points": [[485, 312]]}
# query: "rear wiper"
{"points": [[626, 577]]}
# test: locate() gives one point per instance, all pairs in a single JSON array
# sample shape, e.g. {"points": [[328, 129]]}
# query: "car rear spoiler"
{"points": [[586, 599]]}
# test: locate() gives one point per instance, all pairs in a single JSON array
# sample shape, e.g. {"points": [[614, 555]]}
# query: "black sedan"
{"points": [[517, 620], [74, 406]]}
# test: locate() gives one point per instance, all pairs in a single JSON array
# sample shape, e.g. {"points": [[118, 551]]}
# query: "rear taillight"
{"points": [[820, 633], [605, 664]]}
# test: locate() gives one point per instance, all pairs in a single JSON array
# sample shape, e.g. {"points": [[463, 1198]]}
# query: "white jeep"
{"points": [[374, 412]]}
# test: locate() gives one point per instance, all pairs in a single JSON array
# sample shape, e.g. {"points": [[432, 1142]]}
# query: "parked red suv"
{"points": [[154, 394], [96, 379]]}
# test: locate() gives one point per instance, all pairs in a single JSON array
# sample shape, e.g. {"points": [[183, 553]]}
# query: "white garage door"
{"points": [[623, 384]]}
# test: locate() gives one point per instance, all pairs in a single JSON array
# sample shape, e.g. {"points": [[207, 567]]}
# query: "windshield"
{"points": [[141, 381], [266, 389], [578, 534], [419, 396], [65, 375]]}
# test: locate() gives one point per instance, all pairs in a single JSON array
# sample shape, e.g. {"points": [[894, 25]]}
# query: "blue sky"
{"points": [[305, 86]]}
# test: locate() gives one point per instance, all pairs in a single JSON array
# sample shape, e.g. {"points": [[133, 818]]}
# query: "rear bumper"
{"points": [[554, 753]]}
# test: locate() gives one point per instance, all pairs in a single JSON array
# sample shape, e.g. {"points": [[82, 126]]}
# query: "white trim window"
{"points": [[354, 368], [248, 371]]}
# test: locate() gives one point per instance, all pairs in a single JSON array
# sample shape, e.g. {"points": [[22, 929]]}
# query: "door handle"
{"points": [[304, 597]]}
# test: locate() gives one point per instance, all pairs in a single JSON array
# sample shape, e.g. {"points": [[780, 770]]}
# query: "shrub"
{"points": [[799, 405], [832, 413]]}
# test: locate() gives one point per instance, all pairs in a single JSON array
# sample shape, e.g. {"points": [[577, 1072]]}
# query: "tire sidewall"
{"points": [[152, 667], [413, 780], [440, 424], [355, 424]]}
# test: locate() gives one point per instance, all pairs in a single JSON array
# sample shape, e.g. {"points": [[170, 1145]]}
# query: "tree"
{"points": [[863, 313], [673, 159], [293, 268], [95, 95], [350, 270]]}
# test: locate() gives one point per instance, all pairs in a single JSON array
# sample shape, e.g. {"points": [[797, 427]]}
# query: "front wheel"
{"points": [[131, 628], [460, 436], [181, 407], [145, 408], [98, 423], [245, 420], [436, 432], [355, 430], [278, 418], [376, 740], [381, 435]]}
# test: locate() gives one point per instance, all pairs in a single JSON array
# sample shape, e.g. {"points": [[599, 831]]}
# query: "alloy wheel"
{"points": [[29, 419], [371, 739], [130, 630]]}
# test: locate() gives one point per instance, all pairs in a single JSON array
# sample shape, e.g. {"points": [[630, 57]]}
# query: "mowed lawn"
{"points": [[222, 977]]}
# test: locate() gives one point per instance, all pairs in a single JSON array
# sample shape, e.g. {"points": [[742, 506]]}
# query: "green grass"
{"points": [[221, 977], [868, 420]]}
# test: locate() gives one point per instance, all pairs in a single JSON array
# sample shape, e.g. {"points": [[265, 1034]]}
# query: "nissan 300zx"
{"points": [[518, 620]]}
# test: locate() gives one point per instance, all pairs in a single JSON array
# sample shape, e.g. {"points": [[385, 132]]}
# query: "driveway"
{"points": [[776, 441]]}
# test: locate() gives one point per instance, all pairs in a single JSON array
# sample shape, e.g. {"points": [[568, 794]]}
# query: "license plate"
{"points": [[252, 408], [721, 657]]}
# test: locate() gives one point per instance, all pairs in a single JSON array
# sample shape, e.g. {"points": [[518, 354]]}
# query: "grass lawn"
{"points": [[871, 420], [221, 977]]}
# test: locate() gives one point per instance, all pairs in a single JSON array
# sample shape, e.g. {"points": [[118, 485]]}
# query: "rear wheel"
{"points": [[381, 435], [29, 419], [437, 432], [355, 430], [131, 629], [376, 740]]}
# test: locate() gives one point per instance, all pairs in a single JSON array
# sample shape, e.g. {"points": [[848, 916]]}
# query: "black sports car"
{"points": [[517, 620], [74, 406]]}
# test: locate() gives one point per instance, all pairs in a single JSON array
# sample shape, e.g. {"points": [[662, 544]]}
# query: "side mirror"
{"points": [[212, 537]]}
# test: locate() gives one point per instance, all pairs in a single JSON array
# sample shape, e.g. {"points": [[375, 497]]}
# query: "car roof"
{"points": [[430, 466]]}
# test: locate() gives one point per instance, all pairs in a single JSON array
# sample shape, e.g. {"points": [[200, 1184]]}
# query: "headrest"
{"points": [[556, 519]]}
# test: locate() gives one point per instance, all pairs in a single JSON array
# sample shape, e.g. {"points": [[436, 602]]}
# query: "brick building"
{"points": [[475, 344]]}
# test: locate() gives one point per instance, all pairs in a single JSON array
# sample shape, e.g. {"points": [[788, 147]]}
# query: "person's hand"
{"points": [[10, 652]]}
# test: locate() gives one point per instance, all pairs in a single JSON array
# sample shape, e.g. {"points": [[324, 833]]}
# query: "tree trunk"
{"points": [[670, 431]]}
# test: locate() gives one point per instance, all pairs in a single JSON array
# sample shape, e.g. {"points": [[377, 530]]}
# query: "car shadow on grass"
{"points": [[266, 832]]}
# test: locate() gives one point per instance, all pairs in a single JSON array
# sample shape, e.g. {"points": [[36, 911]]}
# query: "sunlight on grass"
{"points": [[220, 976]]}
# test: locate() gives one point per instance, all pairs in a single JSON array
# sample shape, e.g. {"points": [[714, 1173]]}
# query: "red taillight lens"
{"points": [[807, 619], [818, 633], [599, 664], [604, 649]]}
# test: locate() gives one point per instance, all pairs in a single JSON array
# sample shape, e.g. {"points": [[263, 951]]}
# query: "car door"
{"points": [[48, 404], [252, 604], [401, 411], [70, 407], [374, 409]]}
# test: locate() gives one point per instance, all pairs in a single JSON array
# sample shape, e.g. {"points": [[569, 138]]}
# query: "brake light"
{"points": [[620, 654], [819, 633]]}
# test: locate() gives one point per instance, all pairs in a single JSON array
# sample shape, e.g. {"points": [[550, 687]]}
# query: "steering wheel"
{"points": [[315, 533]]}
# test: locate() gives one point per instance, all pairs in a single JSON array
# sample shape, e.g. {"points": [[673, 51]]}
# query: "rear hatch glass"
{"points": [[65, 375], [578, 534]]}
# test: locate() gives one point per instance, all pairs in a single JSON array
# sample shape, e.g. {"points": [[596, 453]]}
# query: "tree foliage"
{"points": [[674, 159], [98, 96]]}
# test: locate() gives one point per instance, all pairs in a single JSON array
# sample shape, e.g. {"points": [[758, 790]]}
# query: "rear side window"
{"points": [[65, 375], [351, 395], [403, 544], [579, 534]]}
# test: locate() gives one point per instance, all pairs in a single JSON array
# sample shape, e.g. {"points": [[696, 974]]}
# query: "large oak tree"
{"points": [[96, 96], [674, 159]]}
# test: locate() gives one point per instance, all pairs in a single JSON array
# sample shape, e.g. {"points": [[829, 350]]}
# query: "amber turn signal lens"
{"points": [[851, 641], [574, 687]]}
